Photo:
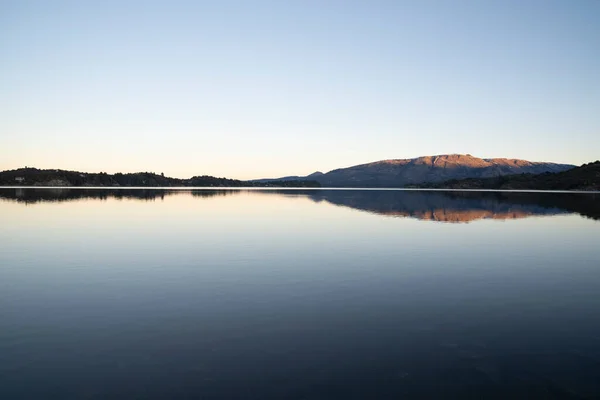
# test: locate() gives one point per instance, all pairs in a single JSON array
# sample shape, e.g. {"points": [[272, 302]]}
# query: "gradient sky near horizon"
{"points": [[249, 89]]}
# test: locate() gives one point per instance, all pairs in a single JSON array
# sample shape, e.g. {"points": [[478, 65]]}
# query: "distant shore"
{"points": [[585, 178]]}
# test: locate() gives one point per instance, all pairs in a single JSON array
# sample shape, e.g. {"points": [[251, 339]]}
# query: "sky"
{"points": [[252, 89]]}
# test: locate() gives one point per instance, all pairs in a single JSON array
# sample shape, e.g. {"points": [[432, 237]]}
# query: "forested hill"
{"points": [[428, 169], [57, 177], [585, 177]]}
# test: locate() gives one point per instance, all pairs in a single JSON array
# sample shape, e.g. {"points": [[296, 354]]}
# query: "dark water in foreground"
{"points": [[298, 294]]}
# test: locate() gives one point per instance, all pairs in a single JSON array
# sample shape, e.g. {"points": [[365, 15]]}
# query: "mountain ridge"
{"points": [[426, 169], [390, 173], [585, 177]]}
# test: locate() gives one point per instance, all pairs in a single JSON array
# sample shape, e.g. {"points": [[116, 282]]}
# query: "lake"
{"points": [[298, 294]]}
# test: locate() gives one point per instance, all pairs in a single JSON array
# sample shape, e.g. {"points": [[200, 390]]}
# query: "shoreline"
{"points": [[301, 188]]}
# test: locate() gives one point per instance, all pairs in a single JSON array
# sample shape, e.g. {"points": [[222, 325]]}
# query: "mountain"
{"points": [[311, 177], [387, 173], [585, 177], [57, 177], [429, 169]]}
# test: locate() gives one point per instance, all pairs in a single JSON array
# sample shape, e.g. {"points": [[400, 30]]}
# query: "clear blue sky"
{"points": [[249, 89]]}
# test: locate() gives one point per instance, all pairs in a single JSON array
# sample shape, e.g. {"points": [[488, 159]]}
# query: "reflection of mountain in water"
{"points": [[456, 206], [440, 206], [443, 206]]}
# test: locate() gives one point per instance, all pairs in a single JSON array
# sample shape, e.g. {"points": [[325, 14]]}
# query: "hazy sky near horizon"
{"points": [[249, 89]]}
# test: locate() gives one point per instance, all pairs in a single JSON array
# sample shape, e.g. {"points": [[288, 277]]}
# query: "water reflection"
{"points": [[457, 206], [297, 294], [441, 206]]}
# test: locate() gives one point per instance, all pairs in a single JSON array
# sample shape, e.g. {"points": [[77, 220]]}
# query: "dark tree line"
{"points": [[55, 177], [585, 177]]}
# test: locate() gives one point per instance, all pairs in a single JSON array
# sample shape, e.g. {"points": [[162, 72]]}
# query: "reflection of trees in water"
{"points": [[30, 196], [213, 193], [447, 206], [585, 204], [33, 195]]}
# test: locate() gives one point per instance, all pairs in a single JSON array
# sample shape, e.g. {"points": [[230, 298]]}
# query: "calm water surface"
{"points": [[298, 294]]}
